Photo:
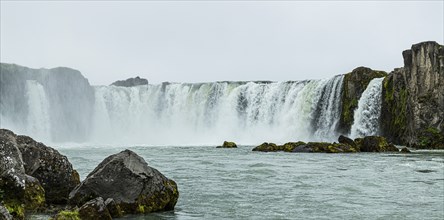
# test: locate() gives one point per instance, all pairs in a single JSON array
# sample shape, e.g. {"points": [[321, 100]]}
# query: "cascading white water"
{"points": [[329, 110], [59, 105], [209, 113], [38, 123], [366, 116]]}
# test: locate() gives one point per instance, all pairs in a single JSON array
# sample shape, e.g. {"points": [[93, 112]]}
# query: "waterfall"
{"points": [[59, 105], [38, 124], [329, 110], [208, 113], [366, 116]]}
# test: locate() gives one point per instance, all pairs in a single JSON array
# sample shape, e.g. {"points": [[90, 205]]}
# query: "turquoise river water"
{"points": [[241, 184]]}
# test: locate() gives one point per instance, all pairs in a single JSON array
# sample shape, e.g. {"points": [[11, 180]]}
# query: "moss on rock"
{"points": [[430, 138], [228, 144], [67, 215]]}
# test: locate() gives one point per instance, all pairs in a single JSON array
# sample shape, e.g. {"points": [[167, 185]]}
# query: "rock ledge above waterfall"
{"points": [[137, 81]]}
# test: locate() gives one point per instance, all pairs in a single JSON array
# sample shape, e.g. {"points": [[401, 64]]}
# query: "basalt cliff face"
{"points": [[46, 102], [413, 98]]}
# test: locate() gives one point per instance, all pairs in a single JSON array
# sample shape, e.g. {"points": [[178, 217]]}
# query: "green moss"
{"points": [[141, 209], [430, 138], [290, 146], [395, 100], [67, 215], [34, 196], [15, 208]]}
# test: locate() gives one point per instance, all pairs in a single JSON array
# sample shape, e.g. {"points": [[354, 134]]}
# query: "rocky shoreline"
{"points": [[35, 178]]}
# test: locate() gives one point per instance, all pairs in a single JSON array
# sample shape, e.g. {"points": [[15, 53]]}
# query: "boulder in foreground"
{"points": [[130, 182], [52, 169]]}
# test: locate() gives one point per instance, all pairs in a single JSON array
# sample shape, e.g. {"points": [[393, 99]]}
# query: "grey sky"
{"points": [[195, 41]]}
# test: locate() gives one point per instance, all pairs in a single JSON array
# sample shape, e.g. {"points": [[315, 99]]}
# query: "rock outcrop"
{"points": [[413, 98], [52, 169], [345, 145], [228, 144], [32, 174], [130, 182], [354, 84], [375, 144], [324, 147], [137, 81], [272, 147]]}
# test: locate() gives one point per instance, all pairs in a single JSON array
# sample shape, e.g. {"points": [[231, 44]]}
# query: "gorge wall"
{"points": [[413, 98], [59, 105]]}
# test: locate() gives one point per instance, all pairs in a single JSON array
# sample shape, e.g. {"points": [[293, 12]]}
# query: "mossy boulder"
{"points": [[52, 169], [267, 147], [272, 147], [345, 140], [94, 210], [130, 182], [430, 138], [354, 84], [228, 144], [325, 147], [20, 191], [290, 146], [114, 209], [375, 144]]}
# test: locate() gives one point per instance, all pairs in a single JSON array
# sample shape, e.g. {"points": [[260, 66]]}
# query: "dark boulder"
{"points": [[134, 186], [375, 144], [52, 169], [114, 209], [94, 210], [267, 147], [19, 190], [345, 140], [228, 144], [324, 147], [290, 146], [137, 81]]}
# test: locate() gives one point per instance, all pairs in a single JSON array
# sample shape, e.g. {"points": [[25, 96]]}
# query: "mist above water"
{"points": [[59, 105]]}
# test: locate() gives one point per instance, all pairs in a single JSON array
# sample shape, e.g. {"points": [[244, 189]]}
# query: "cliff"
{"points": [[29, 96], [353, 86], [413, 98]]}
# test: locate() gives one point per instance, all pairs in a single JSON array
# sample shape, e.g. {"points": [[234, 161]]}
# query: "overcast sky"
{"points": [[195, 41]]}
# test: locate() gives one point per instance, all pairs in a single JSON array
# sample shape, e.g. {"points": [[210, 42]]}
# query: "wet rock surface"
{"points": [[52, 169], [130, 182]]}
